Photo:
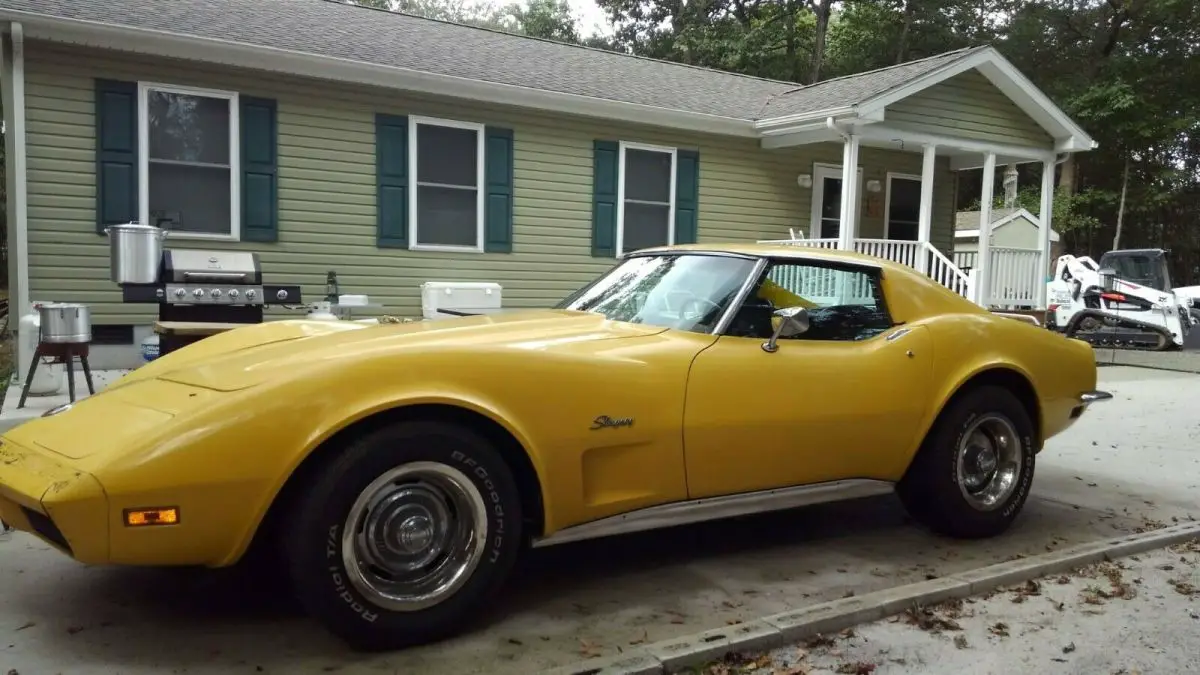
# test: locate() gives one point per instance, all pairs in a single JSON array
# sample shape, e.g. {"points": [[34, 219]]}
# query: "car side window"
{"points": [[844, 302]]}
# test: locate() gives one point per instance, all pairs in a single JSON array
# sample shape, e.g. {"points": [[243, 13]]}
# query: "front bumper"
{"points": [[62, 505]]}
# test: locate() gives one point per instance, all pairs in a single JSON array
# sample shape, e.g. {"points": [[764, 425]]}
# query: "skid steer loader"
{"points": [[1124, 301]]}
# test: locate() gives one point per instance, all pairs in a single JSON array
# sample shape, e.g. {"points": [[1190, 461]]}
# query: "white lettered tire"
{"points": [[404, 536]]}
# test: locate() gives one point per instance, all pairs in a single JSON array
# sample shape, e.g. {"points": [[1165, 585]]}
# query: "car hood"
{"points": [[245, 357]]}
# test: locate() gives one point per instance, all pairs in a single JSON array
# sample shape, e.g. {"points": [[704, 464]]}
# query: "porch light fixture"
{"points": [[874, 185], [804, 180]]}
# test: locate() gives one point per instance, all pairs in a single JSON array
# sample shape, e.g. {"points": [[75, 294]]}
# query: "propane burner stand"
{"points": [[214, 287]]}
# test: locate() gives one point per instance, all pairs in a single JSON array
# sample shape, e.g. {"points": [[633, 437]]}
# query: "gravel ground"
{"points": [[1131, 616]]}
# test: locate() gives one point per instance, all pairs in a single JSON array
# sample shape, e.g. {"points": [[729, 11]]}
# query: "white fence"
{"points": [[1017, 275]]}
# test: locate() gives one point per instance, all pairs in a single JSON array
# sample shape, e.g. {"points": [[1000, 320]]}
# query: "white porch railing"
{"points": [[905, 252]]}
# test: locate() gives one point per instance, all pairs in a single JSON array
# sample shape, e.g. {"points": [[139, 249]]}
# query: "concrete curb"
{"points": [[777, 630], [1180, 362]]}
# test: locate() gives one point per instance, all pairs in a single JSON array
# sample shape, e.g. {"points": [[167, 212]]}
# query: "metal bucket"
{"points": [[135, 252], [65, 323]]}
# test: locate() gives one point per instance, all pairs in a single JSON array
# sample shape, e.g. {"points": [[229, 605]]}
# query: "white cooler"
{"points": [[472, 297]]}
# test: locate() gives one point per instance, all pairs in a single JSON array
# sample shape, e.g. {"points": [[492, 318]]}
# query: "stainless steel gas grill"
{"points": [[193, 286]]}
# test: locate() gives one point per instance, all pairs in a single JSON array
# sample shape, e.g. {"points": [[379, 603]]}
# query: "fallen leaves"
{"points": [[589, 649], [1184, 587], [999, 628], [856, 668]]}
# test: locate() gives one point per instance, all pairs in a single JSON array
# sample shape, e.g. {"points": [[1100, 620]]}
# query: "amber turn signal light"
{"points": [[142, 517]]}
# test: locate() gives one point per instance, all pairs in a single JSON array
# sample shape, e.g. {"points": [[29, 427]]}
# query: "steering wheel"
{"points": [[699, 303]]}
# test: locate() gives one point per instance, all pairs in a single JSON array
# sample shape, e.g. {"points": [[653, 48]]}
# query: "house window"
{"points": [[903, 207], [647, 216], [188, 178], [827, 201], [447, 198]]}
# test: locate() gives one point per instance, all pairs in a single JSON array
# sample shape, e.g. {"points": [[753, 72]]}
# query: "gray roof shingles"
{"points": [[334, 29]]}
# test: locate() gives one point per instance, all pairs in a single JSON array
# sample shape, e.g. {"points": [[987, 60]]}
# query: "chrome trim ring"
{"points": [[988, 462], [414, 536]]}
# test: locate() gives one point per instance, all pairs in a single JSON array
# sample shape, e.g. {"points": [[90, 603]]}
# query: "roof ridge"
{"points": [[961, 51], [346, 3]]}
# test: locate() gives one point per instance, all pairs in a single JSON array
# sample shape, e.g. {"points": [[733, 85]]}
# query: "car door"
{"points": [[840, 401]]}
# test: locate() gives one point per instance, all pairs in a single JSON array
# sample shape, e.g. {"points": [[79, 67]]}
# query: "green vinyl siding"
{"points": [[327, 184], [967, 106]]}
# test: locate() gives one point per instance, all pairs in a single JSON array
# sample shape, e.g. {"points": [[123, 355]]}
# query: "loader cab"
{"points": [[1143, 266]]}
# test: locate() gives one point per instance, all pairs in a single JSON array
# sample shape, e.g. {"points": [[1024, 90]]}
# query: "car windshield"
{"points": [[687, 292]]}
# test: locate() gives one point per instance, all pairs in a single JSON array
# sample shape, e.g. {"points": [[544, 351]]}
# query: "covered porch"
{"points": [[976, 113]]}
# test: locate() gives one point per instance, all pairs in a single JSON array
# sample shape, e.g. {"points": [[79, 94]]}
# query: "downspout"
{"points": [[18, 253], [836, 129]]}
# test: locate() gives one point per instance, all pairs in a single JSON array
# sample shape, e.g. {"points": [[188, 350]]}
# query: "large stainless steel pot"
{"points": [[135, 251], [65, 323]]}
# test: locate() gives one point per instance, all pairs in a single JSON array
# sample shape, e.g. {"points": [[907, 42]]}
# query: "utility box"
{"points": [[468, 297]]}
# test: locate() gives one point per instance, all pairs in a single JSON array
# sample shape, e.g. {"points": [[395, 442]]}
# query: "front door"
{"points": [[827, 201], [840, 401]]}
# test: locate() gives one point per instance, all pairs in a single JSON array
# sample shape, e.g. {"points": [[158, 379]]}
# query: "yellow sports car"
{"points": [[399, 470]]}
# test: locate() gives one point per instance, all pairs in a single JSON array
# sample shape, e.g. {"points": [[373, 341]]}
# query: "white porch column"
{"points": [[925, 220], [1047, 211], [985, 230], [847, 230]]}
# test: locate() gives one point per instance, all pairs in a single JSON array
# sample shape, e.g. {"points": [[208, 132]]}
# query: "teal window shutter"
{"points": [[116, 153], [687, 195], [260, 176], [605, 174], [391, 175], [498, 158]]}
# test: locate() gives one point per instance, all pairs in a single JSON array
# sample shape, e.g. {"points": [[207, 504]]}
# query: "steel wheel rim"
{"points": [[989, 461], [414, 536]]}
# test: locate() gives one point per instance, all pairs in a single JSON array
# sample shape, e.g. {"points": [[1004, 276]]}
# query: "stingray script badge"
{"points": [[606, 422]]}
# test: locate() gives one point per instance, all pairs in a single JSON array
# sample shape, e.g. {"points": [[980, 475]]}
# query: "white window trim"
{"points": [[235, 159], [822, 171], [480, 188], [887, 203], [673, 152]]}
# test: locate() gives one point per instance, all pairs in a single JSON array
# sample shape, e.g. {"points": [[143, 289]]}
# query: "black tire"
{"points": [[312, 540], [931, 489]]}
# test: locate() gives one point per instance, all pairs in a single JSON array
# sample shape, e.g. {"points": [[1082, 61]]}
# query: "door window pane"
{"points": [[842, 303], [904, 209], [831, 207]]}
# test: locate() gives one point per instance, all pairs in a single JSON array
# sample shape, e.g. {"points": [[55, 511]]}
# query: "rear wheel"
{"points": [[403, 538], [973, 473]]}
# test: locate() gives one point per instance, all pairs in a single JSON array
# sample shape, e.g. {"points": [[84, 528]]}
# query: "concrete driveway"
{"points": [[1129, 463]]}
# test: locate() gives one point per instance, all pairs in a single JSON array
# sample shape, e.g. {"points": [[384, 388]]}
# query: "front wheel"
{"points": [[404, 536], [973, 473]]}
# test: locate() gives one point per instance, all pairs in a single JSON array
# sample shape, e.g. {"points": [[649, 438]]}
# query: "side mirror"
{"points": [[793, 321]]}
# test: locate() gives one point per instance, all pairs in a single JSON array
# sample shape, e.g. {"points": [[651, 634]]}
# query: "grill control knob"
{"points": [[250, 293], [282, 294], [216, 293], [179, 292], [233, 293], [198, 293]]}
